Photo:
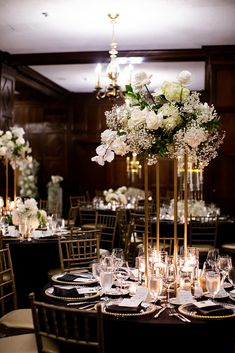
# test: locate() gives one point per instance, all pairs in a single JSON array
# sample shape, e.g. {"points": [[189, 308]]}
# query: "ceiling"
{"points": [[60, 26]]}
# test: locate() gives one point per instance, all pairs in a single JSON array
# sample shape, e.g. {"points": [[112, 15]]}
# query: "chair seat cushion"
{"points": [[25, 344], [19, 318]]}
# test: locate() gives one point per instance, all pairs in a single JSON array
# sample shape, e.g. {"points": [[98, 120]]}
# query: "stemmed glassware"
{"points": [[155, 285], [231, 276], [212, 257], [224, 263], [122, 274], [170, 277], [118, 257], [106, 275], [213, 282]]}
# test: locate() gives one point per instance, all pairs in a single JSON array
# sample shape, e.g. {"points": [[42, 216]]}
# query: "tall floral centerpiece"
{"points": [[28, 217], [170, 122], [14, 149]]}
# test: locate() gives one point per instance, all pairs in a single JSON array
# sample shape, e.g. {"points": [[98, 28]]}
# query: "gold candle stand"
{"points": [[185, 203], [158, 206], [175, 211], [146, 220]]}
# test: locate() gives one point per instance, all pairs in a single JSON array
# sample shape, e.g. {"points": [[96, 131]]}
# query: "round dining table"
{"points": [[31, 260], [144, 333]]}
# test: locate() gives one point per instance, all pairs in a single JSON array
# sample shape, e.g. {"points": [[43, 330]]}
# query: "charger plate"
{"points": [[184, 309], [149, 310], [56, 278], [49, 293]]}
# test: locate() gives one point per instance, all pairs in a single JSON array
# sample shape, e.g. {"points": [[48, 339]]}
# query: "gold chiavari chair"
{"points": [[69, 328], [12, 320]]}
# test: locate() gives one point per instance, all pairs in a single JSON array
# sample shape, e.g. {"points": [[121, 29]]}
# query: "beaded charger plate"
{"points": [[185, 309], [50, 293], [151, 308], [58, 278]]}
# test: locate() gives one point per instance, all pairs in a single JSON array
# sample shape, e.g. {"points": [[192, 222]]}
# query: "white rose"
{"points": [[153, 120], [141, 79], [184, 78], [194, 136], [138, 117]]}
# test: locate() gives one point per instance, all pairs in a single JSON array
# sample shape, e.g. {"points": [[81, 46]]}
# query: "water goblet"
{"points": [[106, 279], [213, 282]]}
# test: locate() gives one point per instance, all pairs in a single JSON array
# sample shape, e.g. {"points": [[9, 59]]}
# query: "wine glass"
{"points": [[118, 257], [231, 276], [224, 263], [155, 285], [122, 274], [170, 277], [212, 257], [213, 282]]}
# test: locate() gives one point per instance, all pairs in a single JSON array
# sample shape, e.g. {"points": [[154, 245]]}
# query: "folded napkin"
{"points": [[70, 277], [74, 292], [66, 292], [114, 308], [211, 310]]}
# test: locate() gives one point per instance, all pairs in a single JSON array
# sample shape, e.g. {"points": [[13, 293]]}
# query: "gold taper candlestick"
{"points": [[158, 206], [185, 203], [7, 201], [175, 210], [15, 185], [146, 219]]}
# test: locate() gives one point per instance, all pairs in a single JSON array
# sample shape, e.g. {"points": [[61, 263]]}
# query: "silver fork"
{"points": [[173, 312]]}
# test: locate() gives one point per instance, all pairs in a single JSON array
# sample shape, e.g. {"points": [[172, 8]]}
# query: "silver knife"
{"points": [[159, 312]]}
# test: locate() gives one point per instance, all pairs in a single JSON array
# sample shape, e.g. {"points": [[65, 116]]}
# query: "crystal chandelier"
{"points": [[112, 90]]}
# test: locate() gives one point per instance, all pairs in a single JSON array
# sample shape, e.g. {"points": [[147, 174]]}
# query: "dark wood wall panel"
{"points": [[7, 87], [224, 83]]}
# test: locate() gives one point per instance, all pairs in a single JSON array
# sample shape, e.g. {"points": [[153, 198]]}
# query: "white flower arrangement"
{"points": [[13, 145], [168, 123], [116, 195], [196, 208], [28, 212]]}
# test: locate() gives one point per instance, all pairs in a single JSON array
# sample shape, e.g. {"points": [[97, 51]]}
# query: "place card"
{"points": [[139, 297], [184, 296]]}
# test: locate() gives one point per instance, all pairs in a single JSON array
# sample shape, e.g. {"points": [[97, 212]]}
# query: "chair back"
{"points": [[71, 328], [107, 223], [73, 216], [75, 200], [203, 232], [8, 298], [87, 216], [79, 249]]}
